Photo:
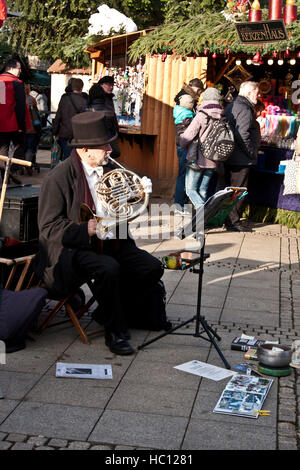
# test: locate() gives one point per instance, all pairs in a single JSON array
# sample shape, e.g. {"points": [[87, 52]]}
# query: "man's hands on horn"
{"points": [[92, 227], [147, 184]]}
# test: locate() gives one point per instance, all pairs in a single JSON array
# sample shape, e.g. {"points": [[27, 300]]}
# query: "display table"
{"points": [[266, 182]]}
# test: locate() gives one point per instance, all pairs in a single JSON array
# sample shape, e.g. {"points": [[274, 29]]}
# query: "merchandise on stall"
{"points": [[128, 94]]}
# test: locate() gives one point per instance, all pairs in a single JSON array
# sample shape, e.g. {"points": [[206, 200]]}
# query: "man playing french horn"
{"points": [[70, 253]]}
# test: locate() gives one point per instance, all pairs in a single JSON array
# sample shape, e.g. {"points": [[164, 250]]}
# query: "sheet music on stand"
{"points": [[214, 212]]}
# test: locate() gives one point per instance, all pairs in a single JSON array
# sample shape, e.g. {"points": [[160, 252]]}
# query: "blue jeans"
{"points": [[196, 185], [180, 195]]}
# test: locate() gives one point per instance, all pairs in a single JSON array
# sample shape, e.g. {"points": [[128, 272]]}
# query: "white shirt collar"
{"points": [[89, 170]]}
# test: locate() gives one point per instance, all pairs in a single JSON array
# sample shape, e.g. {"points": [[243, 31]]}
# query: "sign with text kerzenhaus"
{"points": [[261, 31]]}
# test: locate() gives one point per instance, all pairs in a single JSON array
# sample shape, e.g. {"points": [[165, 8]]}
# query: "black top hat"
{"points": [[106, 79], [92, 129]]}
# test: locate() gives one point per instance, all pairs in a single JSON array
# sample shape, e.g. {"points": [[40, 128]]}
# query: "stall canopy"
{"points": [[209, 33], [39, 77]]}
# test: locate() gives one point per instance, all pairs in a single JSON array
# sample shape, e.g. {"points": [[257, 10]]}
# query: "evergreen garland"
{"points": [[210, 32]]}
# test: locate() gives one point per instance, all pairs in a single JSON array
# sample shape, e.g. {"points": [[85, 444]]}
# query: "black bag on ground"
{"points": [[148, 312], [18, 312]]}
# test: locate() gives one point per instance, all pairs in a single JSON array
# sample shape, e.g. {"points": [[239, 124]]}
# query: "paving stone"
{"points": [[4, 445], [138, 429], [2, 436], [287, 444], [58, 443], [79, 445], [56, 420], [14, 437], [100, 447], [44, 448], [21, 446], [206, 435], [37, 440]]}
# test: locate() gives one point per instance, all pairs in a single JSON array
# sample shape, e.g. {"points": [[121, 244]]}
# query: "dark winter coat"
{"points": [[200, 127], [13, 104], [99, 100], [60, 233], [69, 105], [241, 117]]}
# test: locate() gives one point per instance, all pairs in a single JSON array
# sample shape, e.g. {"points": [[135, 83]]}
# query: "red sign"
{"points": [[3, 11]]}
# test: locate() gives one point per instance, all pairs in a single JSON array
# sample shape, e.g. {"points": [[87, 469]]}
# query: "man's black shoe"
{"points": [[126, 334], [118, 344], [193, 165], [236, 228]]}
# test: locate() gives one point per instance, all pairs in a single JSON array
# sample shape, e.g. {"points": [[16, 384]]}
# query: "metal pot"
{"points": [[281, 358]]}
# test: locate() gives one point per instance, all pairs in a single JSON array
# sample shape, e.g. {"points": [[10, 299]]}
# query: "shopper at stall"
{"points": [[197, 180], [242, 119], [71, 103], [183, 115], [101, 99], [12, 111], [192, 90], [33, 130], [41, 102]]}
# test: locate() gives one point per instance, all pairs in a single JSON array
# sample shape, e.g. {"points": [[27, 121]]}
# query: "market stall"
{"points": [[211, 47], [144, 100]]}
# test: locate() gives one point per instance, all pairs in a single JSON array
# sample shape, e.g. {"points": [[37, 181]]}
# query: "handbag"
{"points": [[292, 177], [35, 117], [55, 153]]}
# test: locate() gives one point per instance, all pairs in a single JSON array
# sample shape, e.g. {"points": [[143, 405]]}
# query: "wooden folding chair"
{"points": [[73, 317], [25, 278]]}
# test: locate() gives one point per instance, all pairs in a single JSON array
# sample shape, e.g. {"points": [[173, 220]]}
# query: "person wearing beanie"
{"points": [[70, 254], [197, 180], [101, 99], [183, 115], [242, 119], [194, 88]]}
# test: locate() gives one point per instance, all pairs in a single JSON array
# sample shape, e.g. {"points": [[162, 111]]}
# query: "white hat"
{"points": [[211, 94], [186, 101]]}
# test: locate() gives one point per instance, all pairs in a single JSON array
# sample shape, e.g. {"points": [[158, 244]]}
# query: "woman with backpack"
{"points": [[197, 181]]}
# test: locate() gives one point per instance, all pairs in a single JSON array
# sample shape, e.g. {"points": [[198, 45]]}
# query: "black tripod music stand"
{"points": [[214, 212]]}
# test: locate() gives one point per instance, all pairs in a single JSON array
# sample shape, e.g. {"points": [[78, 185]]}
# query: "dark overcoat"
{"points": [[60, 233], [241, 117]]}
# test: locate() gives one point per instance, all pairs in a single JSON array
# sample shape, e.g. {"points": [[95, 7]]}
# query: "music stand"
{"points": [[214, 211]]}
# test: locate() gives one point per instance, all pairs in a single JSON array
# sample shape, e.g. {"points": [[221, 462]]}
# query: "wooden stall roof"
{"points": [[60, 67], [117, 40]]}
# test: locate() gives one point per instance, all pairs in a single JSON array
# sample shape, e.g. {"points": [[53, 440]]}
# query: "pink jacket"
{"points": [[200, 127]]}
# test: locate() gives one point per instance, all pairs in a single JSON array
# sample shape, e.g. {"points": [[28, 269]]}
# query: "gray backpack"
{"points": [[219, 143]]}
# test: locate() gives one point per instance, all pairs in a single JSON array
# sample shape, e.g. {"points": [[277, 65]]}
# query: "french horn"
{"points": [[123, 194]]}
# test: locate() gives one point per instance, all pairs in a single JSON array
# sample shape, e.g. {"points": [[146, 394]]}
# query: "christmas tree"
{"points": [[57, 29]]}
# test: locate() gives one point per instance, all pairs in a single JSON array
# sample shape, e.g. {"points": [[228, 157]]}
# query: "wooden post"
{"points": [[9, 161]]}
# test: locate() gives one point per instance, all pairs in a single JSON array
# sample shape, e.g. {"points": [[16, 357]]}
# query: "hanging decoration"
{"points": [[237, 75], [290, 11], [257, 60], [3, 12], [255, 14], [236, 10], [275, 9]]}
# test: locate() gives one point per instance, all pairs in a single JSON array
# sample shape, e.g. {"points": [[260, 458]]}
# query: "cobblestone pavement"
{"points": [[251, 285]]}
